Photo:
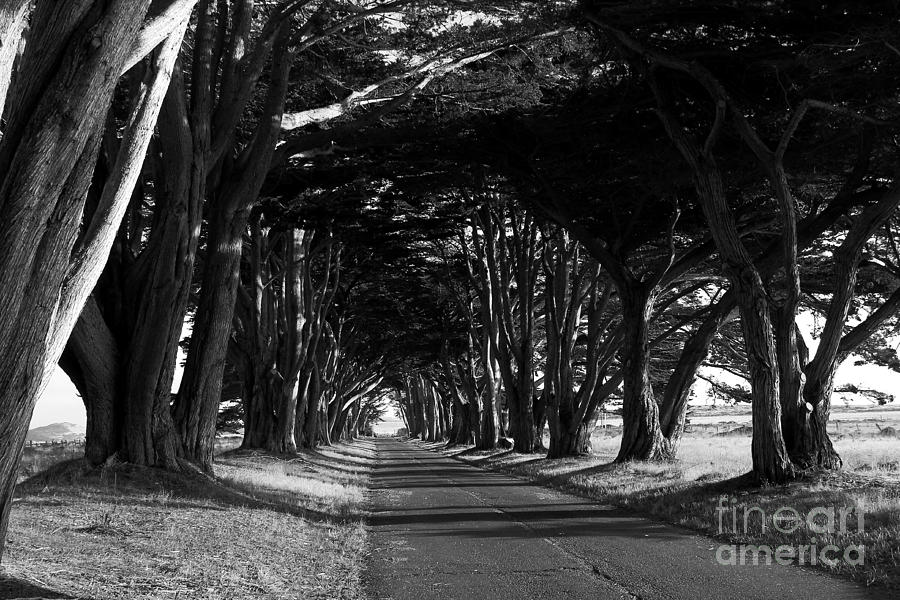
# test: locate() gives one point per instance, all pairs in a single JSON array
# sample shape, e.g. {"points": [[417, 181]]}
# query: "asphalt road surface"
{"points": [[444, 529]]}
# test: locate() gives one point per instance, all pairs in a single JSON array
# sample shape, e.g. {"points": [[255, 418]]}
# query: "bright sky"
{"points": [[60, 403]]}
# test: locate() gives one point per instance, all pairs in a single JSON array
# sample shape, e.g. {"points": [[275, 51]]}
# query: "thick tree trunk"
{"points": [[259, 421], [158, 287], [811, 445], [539, 417], [284, 437], [521, 422], [641, 433], [473, 400], [91, 360], [47, 155], [770, 458], [790, 373], [561, 420], [257, 337], [339, 427], [445, 415], [201, 387], [122, 358], [325, 417], [490, 434], [284, 441], [461, 424]]}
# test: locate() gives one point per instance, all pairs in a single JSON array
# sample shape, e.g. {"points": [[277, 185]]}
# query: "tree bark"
{"points": [[13, 15], [47, 155], [92, 362], [201, 387], [641, 432]]}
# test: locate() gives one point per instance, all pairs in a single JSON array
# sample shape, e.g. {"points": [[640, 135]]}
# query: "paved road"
{"points": [[444, 529]]}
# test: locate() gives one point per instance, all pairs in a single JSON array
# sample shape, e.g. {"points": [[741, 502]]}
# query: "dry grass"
{"points": [[267, 527], [688, 491], [318, 481], [40, 458]]}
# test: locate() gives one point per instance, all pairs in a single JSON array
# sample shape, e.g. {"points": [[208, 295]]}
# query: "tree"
{"points": [[768, 307], [573, 286], [58, 96], [138, 308], [241, 183]]}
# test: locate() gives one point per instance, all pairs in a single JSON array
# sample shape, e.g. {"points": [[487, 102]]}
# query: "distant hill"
{"points": [[56, 432]]}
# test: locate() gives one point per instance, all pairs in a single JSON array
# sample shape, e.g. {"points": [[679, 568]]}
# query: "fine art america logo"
{"points": [[824, 525]]}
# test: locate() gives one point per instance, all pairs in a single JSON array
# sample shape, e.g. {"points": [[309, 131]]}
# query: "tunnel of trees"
{"points": [[496, 218]]}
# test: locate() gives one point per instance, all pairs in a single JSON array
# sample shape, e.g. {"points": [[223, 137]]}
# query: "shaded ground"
{"points": [[268, 527], [444, 529]]}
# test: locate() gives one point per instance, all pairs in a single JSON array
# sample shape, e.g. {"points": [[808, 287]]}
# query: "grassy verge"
{"points": [[688, 492], [265, 527]]}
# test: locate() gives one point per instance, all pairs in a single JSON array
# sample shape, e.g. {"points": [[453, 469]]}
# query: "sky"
{"points": [[60, 403]]}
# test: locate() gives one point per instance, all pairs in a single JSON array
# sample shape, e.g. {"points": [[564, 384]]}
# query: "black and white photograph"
{"points": [[449, 299]]}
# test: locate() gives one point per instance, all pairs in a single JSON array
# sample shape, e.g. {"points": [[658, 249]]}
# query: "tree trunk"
{"points": [[490, 412], [47, 157], [812, 447], [445, 414], [561, 420], [539, 418], [201, 388], [158, 286], [295, 320], [122, 357], [809, 444], [641, 433], [673, 410], [12, 23], [770, 458], [325, 417], [311, 422], [431, 412], [259, 422], [91, 360]]}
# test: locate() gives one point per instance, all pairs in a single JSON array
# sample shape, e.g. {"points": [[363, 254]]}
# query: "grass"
{"points": [[688, 491], [265, 527], [320, 482], [39, 458]]}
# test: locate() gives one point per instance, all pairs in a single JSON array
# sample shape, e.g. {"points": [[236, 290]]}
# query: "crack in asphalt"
{"points": [[587, 565]]}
